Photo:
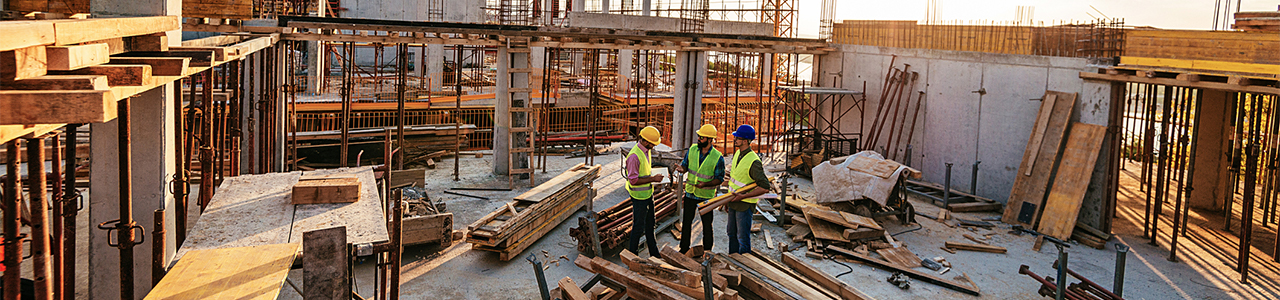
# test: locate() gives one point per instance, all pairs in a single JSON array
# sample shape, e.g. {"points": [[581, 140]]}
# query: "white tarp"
{"points": [[862, 175]]}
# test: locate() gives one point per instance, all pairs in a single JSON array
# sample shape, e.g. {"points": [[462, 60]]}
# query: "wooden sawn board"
{"points": [[1072, 181]]}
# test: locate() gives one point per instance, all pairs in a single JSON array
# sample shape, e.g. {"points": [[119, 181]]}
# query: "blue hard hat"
{"points": [[745, 132]]}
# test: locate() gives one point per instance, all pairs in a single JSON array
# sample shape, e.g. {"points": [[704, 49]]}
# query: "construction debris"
{"points": [[519, 223], [614, 223]]}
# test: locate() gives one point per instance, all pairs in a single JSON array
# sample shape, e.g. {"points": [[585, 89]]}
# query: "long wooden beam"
{"points": [[1182, 83]]}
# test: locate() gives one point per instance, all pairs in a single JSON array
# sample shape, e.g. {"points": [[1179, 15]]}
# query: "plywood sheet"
{"points": [[252, 210], [364, 219], [900, 256], [1029, 191], [256, 272], [1072, 181], [247, 210]]}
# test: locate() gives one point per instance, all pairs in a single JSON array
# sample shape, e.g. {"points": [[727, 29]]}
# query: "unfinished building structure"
{"points": [[229, 142]]}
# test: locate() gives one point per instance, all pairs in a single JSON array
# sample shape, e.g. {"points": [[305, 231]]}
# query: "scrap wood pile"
{"points": [[614, 223], [674, 275], [1049, 199], [518, 224], [827, 232]]}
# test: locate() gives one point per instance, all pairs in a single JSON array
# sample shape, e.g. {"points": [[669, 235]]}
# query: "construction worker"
{"points": [[640, 187], [745, 168], [704, 169]]}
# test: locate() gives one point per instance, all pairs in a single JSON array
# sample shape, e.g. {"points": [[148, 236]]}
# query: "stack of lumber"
{"points": [[515, 226], [1266, 21], [817, 225], [769, 279], [614, 223]]}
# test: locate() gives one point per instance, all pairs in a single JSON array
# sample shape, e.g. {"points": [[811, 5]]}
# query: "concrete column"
{"points": [[152, 161], [691, 78], [579, 5], [152, 167], [537, 60], [316, 67], [625, 64], [604, 6], [645, 7], [504, 100], [435, 65], [1212, 147]]}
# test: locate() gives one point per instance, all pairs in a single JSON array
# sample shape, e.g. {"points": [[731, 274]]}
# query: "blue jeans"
{"points": [[739, 231]]}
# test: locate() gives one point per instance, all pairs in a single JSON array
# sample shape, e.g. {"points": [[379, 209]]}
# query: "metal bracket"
{"points": [[114, 225]]}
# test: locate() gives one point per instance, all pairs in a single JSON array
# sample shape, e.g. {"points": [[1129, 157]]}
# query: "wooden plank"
{"points": [[824, 230], [571, 290], [1037, 134], [799, 231], [23, 63], [213, 41], [861, 220], [87, 30], [661, 272], [975, 206], [66, 58], [554, 185], [975, 247], [830, 216], [127, 75], [221, 9], [45, 107], [673, 256], [862, 233], [324, 267], [1072, 180], [1202, 64], [426, 229], [32, 33], [1028, 192], [256, 272], [900, 256], [824, 279], [151, 42], [219, 53], [918, 275], [637, 286], [795, 285], [160, 66], [326, 190], [411, 177]]}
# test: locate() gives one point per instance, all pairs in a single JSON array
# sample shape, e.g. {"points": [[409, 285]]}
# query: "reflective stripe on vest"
{"points": [[702, 171], [643, 191], [741, 172]]}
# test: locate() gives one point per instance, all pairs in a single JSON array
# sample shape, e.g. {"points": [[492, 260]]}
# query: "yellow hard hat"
{"points": [[707, 130], [651, 134]]}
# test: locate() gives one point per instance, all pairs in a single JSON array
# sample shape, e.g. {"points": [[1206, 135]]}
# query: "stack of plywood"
{"points": [[515, 226]]}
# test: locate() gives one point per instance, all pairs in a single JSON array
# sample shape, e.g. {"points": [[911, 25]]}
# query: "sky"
{"points": [[1168, 14]]}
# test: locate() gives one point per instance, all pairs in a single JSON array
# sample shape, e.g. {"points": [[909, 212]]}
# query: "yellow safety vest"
{"points": [[700, 172], [741, 172], [643, 191]]}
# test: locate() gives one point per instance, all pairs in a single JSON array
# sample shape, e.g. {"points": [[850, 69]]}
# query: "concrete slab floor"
{"points": [[1205, 269], [1205, 272]]}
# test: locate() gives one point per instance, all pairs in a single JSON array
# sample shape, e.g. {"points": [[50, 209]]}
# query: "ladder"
{"points": [[521, 134]]}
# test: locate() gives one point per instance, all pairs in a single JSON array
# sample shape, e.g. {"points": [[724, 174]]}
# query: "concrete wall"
{"points": [[960, 125], [616, 21]]}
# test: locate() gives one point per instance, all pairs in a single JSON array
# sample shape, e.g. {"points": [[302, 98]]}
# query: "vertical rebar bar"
{"points": [[946, 188]]}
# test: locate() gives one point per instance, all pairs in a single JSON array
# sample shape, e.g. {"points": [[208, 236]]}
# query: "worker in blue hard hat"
{"points": [[704, 169], [640, 188], [744, 168]]}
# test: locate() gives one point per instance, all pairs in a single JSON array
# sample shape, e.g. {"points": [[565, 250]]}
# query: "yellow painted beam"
{"points": [[1208, 65]]}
